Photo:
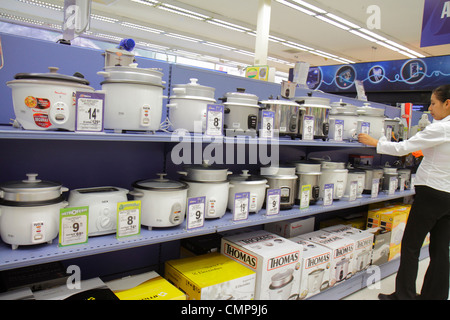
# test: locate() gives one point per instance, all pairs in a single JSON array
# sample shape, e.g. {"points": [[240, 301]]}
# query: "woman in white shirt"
{"points": [[430, 211]]}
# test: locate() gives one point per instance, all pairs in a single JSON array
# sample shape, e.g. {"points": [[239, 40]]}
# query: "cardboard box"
{"points": [[291, 228], [342, 253], [395, 222], [315, 268], [381, 247], [211, 276], [363, 244], [276, 261], [145, 286]]}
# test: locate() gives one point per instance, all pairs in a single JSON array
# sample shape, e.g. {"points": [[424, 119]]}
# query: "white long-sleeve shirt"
{"points": [[434, 141]]}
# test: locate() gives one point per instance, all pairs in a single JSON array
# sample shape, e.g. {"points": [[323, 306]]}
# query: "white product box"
{"points": [[291, 228], [342, 253], [316, 263], [363, 244], [275, 260]]}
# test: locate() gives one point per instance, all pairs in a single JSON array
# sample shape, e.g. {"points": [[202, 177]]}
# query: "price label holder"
{"points": [[336, 129], [73, 226], [241, 206], [214, 120], [89, 111], [375, 188], [128, 219], [393, 183], [273, 202], [353, 190], [389, 133], [363, 127], [308, 128], [267, 124], [304, 196], [328, 191], [195, 213]]}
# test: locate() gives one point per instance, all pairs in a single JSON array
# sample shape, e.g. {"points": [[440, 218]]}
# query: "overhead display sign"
{"points": [[436, 23]]}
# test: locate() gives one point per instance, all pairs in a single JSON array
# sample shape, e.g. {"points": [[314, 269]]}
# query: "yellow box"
{"points": [[395, 222], [374, 216], [145, 286], [394, 251], [211, 276]]}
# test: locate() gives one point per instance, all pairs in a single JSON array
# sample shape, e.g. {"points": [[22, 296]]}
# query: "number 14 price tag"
{"points": [[89, 115]]}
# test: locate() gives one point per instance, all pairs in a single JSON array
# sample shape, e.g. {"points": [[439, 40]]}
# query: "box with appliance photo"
{"points": [[315, 268], [363, 244], [145, 286], [276, 261], [381, 247], [342, 253], [211, 276], [291, 228]]}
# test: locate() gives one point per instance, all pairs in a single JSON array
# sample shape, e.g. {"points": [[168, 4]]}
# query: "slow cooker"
{"points": [[102, 202], [163, 201], [29, 211], [46, 101], [245, 182]]}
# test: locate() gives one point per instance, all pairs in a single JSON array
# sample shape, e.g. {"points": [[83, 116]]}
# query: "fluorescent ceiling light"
{"points": [[103, 18], [276, 39], [147, 2], [217, 45], [139, 27], [310, 6], [407, 54], [179, 36], [247, 53], [372, 34], [180, 12], [362, 35], [228, 25], [387, 46], [293, 6], [43, 4], [293, 45], [343, 21], [334, 23]]}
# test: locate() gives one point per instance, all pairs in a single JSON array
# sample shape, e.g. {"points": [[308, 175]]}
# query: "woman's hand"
{"points": [[368, 140]]}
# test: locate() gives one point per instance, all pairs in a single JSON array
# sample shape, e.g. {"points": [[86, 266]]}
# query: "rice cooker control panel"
{"points": [[59, 113], [145, 115], [175, 214]]}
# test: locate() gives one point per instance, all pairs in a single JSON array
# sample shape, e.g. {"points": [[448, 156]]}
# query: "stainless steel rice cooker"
{"points": [[341, 269], [405, 177], [163, 201], [375, 116], [46, 101], [188, 106], [29, 211], [133, 98], [334, 173], [210, 182], [393, 129], [282, 177], [241, 113], [281, 285], [245, 182], [102, 202], [308, 174], [371, 174], [316, 107], [390, 176], [287, 114]]}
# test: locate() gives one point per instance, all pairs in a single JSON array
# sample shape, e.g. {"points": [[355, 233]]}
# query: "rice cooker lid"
{"points": [[314, 102], [342, 108], [247, 178], [281, 279], [132, 74], [370, 111], [53, 75], [280, 170], [193, 90], [161, 184], [282, 103], [240, 98]]}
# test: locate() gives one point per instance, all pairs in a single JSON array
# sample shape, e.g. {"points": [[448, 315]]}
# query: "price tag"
{"points": [[267, 125], [214, 120], [353, 190], [128, 219], [392, 185], [89, 115], [304, 196], [273, 202], [389, 133], [328, 190], [241, 206], [73, 226], [365, 127], [195, 213], [375, 188], [338, 130], [401, 184], [308, 128]]}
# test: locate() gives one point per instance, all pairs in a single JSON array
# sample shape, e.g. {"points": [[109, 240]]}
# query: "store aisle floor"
{"points": [[387, 285]]}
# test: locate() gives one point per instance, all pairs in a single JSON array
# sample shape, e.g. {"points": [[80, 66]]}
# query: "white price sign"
{"points": [[328, 190], [128, 218], [241, 206], [365, 127], [214, 120], [89, 115], [353, 190], [273, 202], [195, 213], [304, 196], [308, 128], [393, 184], [268, 118], [73, 226], [338, 130], [375, 188]]}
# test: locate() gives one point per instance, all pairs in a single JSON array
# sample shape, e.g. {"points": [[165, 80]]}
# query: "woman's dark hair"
{"points": [[442, 93]]}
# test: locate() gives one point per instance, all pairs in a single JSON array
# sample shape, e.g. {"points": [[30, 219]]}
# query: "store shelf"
{"points": [[43, 253], [9, 132]]}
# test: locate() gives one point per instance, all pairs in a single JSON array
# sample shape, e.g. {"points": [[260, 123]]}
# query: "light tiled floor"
{"points": [[387, 285]]}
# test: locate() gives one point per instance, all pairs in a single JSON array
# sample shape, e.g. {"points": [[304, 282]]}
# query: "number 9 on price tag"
{"points": [[195, 213]]}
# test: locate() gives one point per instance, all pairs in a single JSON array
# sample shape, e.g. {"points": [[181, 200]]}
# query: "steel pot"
{"points": [[163, 201], [388, 173], [319, 108], [281, 285], [188, 106], [205, 173], [285, 179], [241, 113], [133, 98], [405, 177], [287, 114], [245, 182], [29, 211], [375, 116], [46, 101], [393, 129]]}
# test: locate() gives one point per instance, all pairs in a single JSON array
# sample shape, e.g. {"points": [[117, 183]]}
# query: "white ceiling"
{"points": [[400, 21]]}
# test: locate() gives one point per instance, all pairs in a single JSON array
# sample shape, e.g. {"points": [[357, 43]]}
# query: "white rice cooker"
{"points": [[29, 211], [188, 105], [376, 118], [163, 201], [133, 98], [46, 101], [359, 176], [308, 174], [349, 115], [333, 173], [102, 203], [245, 182]]}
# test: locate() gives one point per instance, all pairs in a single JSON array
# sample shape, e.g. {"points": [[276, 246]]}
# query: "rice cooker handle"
{"points": [[136, 193]]}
